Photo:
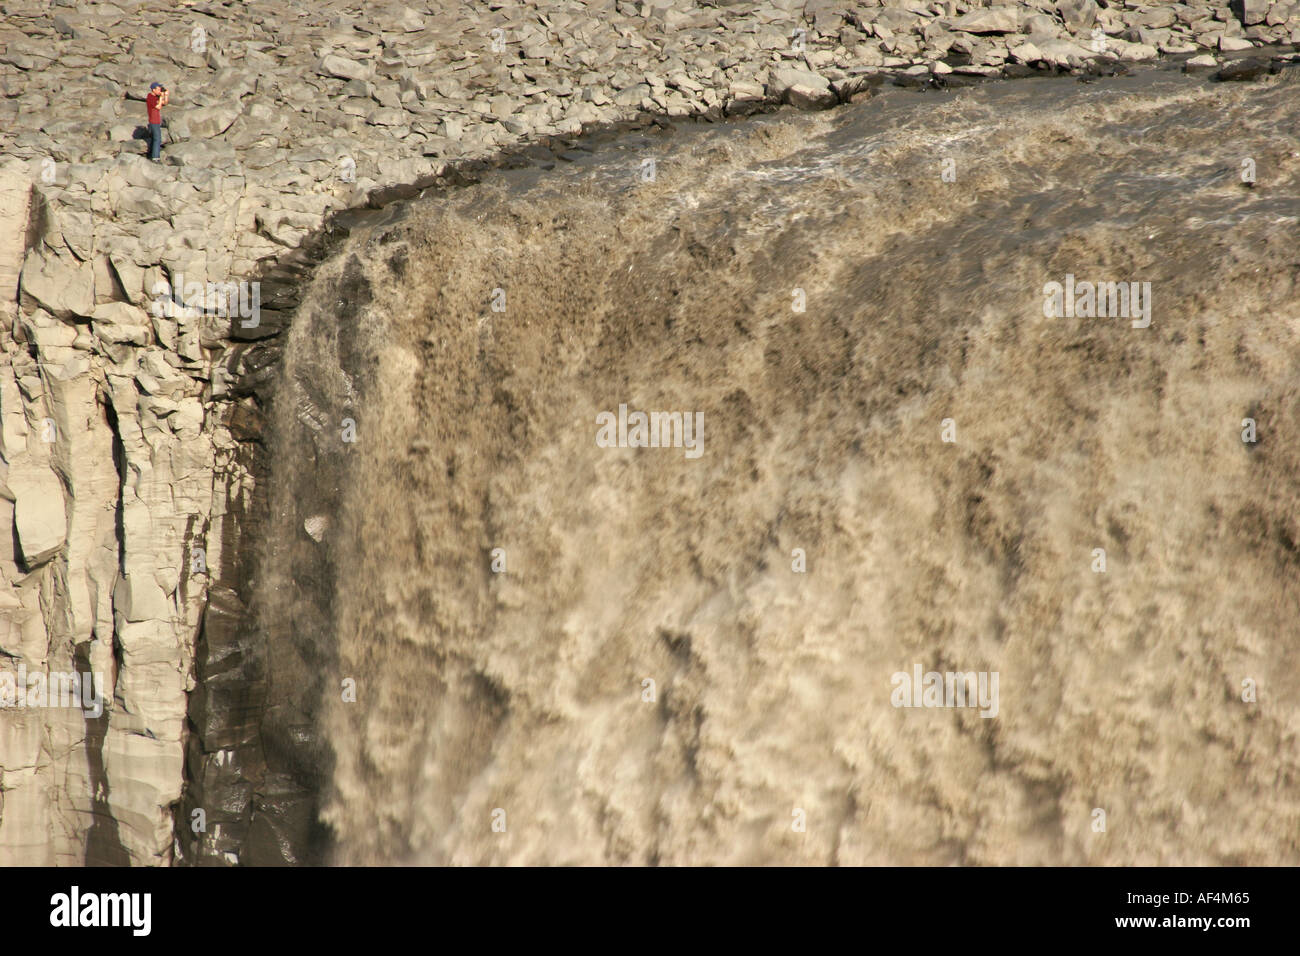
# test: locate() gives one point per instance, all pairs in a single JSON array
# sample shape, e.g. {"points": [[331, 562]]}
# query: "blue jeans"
{"points": [[155, 140]]}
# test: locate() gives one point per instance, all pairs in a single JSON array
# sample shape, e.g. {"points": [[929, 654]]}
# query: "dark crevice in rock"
{"points": [[119, 463], [103, 842]]}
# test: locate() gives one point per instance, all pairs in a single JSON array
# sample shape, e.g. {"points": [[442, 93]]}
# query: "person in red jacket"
{"points": [[154, 102]]}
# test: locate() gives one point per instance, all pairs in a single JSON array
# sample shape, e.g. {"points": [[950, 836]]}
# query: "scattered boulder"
{"points": [[1154, 18], [632, 95], [382, 116], [1280, 13], [1001, 19], [1200, 63], [410, 21], [802, 89], [1040, 24], [1252, 11], [1078, 14], [212, 121], [1064, 54], [1234, 44], [340, 67], [1026, 53], [1132, 51], [1251, 68], [896, 20]]}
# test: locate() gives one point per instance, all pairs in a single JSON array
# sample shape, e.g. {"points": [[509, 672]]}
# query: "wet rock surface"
{"points": [[132, 424], [523, 690]]}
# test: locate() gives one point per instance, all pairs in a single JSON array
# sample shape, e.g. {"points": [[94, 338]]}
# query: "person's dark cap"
{"points": [[155, 86]]}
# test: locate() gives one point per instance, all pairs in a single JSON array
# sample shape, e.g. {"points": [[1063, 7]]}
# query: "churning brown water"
{"points": [[519, 697]]}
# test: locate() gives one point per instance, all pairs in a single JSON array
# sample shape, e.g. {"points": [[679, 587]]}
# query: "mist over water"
{"points": [[821, 431]]}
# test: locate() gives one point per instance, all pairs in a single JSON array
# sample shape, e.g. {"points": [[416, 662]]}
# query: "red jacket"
{"points": [[151, 104]]}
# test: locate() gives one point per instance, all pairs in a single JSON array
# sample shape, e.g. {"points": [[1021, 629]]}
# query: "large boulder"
{"points": [[1040, 24], [1234, 44], [1133, 51], [1280, 13], [632, 95], [1026, 52], [211, 121], [801, 88], [1001, 19], [410, 21], [1077, 14], [342, 68], [1156, 18], [1251, 68], [897, 20], [1063, 53], [1252, 11]]}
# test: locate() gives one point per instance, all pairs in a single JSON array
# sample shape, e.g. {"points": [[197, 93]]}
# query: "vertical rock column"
{"points": [[38, 526], [106, 483]]}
